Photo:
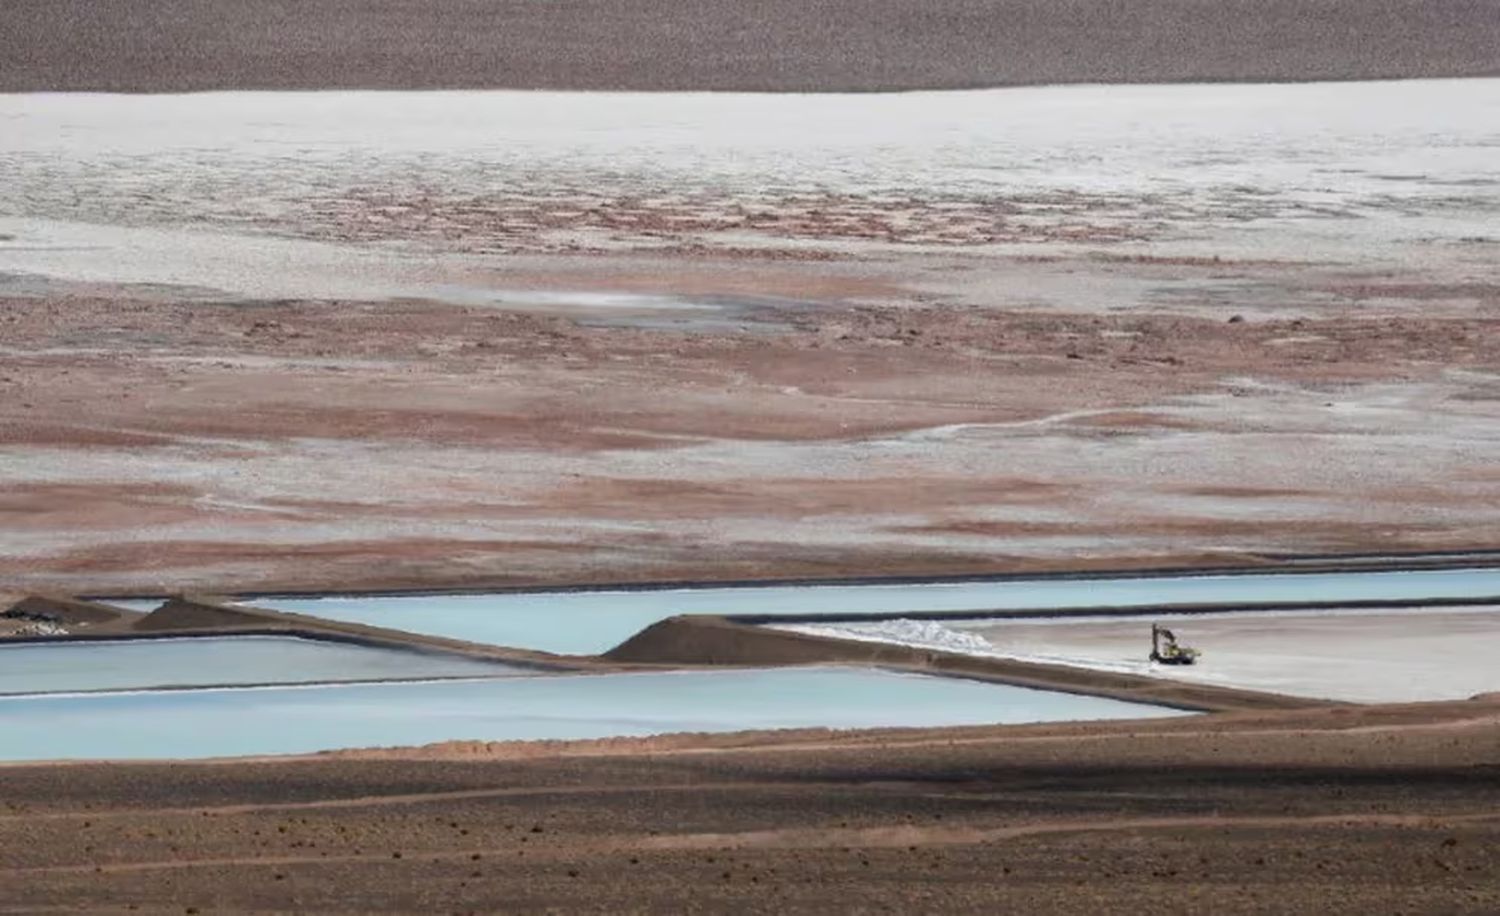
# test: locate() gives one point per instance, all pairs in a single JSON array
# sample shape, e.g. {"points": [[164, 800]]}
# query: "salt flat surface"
{"points": [[1322, 139], [202, 661], [1358, 656], [590, 622], [1359, 172], [286, 720]]}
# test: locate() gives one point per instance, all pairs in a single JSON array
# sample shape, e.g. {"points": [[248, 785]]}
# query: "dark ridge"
{"points": [[208, 615], [748, 45]]}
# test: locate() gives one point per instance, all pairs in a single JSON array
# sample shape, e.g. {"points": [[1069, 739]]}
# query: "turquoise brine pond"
{"points": [[203, 661], [291, 720], [589, 622]]}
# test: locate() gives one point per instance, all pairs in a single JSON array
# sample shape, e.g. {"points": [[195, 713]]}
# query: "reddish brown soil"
{"points": [[349, 445]]}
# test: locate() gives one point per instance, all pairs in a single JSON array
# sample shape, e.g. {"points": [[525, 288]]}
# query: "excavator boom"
{"points": [[1165, 649]]}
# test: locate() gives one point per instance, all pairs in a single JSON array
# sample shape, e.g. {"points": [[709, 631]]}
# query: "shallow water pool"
{"points": [[595, 621], [286, 720], [211, 660]]}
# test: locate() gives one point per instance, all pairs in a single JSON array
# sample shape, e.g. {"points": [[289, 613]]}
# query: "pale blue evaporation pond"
{"points": [[589, 622], [206, 661], [290, 720], [143, 605]]}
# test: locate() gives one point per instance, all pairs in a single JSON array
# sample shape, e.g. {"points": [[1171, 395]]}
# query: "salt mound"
{"points": [[920, 634]]}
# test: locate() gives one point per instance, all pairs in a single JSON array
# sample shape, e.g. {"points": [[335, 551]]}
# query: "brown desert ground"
{"points": [[1337, 810]]}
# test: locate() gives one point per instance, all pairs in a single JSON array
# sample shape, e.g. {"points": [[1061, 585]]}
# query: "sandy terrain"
{"points": [[1332, 811], [186, 45]]}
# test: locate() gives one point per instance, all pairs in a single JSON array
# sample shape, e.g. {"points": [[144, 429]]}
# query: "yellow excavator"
{"points": [[1166, 651]]}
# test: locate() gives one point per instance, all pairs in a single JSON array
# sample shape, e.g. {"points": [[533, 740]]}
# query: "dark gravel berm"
{"points": [[775, 45]]}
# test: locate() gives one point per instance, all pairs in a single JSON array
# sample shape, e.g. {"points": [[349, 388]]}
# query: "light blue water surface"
{"points": [[210, 660], [285, 720], [587, 623]]}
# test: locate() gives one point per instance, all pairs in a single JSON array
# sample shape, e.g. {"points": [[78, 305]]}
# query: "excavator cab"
{"points": [[1166, 651]]}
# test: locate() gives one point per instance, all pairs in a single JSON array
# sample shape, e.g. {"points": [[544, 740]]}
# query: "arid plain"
{"points": [[349, 340], [664, 337]]}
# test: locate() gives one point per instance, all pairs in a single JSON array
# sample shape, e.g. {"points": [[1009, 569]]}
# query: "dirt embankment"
{"points": [[40, 614], [777, 45], [694, 640], [206, 615]]}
